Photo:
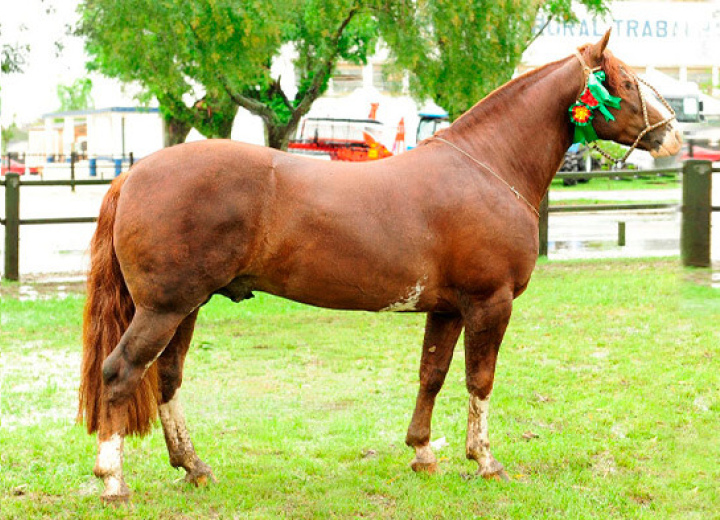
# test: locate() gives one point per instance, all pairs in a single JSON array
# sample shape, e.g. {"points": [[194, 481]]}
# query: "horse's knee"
{"points": [[480, 385], [434, 380]]}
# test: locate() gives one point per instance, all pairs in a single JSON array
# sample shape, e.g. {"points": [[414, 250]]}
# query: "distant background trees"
{"points": [[458, 52], [77, 96], [203, 59]]}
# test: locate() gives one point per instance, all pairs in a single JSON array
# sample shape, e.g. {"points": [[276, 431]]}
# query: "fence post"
{"points": [[696, 213], [12, 227], [543, 224], [73, 158]]}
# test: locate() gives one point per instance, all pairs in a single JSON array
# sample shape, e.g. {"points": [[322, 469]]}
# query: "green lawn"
{"points": [[642, 182], [606, 405]]}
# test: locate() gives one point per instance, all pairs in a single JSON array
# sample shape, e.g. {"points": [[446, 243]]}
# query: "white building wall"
{"points": [[675, 35]]}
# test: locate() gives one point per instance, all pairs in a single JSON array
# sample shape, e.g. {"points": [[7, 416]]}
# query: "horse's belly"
{"points": [[351, 283]]}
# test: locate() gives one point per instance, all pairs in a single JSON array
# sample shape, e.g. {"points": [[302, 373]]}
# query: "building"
{"points": [[107, 133], [679, 39]]}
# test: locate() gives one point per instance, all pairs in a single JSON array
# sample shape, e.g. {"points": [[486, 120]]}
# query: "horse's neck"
{"points": [[521, 130]]}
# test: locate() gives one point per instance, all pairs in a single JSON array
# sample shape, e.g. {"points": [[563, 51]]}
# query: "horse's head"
{"points": [[641, 121]]}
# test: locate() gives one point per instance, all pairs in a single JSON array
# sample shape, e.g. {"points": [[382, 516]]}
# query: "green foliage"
{"points": [[219, 53], [13, 56], [77, 96], [458, 52], [8, 134]]}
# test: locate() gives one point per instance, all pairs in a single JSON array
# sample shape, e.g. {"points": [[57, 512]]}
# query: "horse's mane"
{"points": [[501, 96]]}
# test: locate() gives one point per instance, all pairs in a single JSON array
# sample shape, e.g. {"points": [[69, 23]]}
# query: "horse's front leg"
{"points": [[441, 334], [180, 447], [146, 337], [485, 322]]}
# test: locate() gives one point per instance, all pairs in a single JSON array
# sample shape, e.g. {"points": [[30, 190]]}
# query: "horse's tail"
{"points": [[108, 312]]}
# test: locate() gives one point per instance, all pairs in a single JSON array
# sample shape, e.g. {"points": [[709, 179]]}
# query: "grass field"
{"points": [[642, 182], [606, 405]]}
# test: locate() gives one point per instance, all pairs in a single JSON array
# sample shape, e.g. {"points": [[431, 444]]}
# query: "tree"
{"points": [[321, 32], [202, 59], [143, 41], [77, 96], [458, 52]]}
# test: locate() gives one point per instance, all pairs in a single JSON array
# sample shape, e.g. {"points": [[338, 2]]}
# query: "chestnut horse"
{"points": [[449, 229]]}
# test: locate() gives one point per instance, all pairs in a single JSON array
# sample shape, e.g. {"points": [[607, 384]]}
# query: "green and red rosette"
{"points": [[594, 97]]}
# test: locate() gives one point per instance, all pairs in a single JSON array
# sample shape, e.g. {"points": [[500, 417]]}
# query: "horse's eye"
{"points": [[628, 85]]}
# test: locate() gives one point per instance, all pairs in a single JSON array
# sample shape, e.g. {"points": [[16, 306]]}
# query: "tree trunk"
{"points": [[175, 131], [278, 136]]}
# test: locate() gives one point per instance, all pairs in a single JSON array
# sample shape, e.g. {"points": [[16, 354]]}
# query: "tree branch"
{"points": [[535, 36], [324, 70], [256, 107]]}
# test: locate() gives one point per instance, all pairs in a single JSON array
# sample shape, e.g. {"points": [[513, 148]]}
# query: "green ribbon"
{"points": [[586, 133]]}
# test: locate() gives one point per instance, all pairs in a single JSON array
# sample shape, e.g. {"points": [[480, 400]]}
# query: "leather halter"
{"points": [[648, 127]]}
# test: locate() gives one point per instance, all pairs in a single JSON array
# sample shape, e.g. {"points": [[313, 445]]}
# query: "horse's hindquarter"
{"points": [[190, 218]]}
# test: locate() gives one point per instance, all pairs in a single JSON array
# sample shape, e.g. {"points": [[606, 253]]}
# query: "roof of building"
{"points": [[89, 111]]}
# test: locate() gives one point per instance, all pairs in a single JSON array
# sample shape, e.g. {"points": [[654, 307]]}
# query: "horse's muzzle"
{"points": [[670, 145]]}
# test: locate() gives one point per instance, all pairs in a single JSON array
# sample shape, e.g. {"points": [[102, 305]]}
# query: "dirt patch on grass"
{"points": [[38, 384], [44, 287]]}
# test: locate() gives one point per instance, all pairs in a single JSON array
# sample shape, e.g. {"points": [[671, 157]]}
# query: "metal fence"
{"points": [[696, 208]]}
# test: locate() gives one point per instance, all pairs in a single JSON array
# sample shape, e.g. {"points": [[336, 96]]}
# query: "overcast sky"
{"points": [[29, 95]]}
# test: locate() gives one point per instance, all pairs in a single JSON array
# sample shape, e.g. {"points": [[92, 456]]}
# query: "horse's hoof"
{"points": [[115, 500], [201, 476], [498, 475], [424, 467]]}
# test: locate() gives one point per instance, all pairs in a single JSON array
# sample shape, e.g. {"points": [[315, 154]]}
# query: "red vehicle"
{"points": [[702, 153], [340, 139], [14, 166]]}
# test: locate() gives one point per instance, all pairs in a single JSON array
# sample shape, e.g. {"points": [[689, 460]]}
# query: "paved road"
{"points": [[63, 248]]}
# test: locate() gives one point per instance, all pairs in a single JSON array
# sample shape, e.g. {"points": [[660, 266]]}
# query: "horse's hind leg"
{"points": [[441, 334], [180, 447], [146, 337], [485, 324]]}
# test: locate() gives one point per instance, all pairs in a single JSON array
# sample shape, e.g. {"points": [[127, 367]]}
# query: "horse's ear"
{"points": [[597, 50]]}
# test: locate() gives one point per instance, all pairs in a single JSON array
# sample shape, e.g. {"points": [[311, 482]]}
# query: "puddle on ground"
{"points": [[638, 247], [44, 288]]}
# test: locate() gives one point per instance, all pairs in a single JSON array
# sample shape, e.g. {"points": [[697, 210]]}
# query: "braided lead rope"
{"points": [[489, 170]]}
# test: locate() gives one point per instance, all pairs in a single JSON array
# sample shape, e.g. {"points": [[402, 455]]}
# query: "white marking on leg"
{"points": [[478, 437], [410, 302], [109, 465], [424, 459], [424, 453], [177, 438]]}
